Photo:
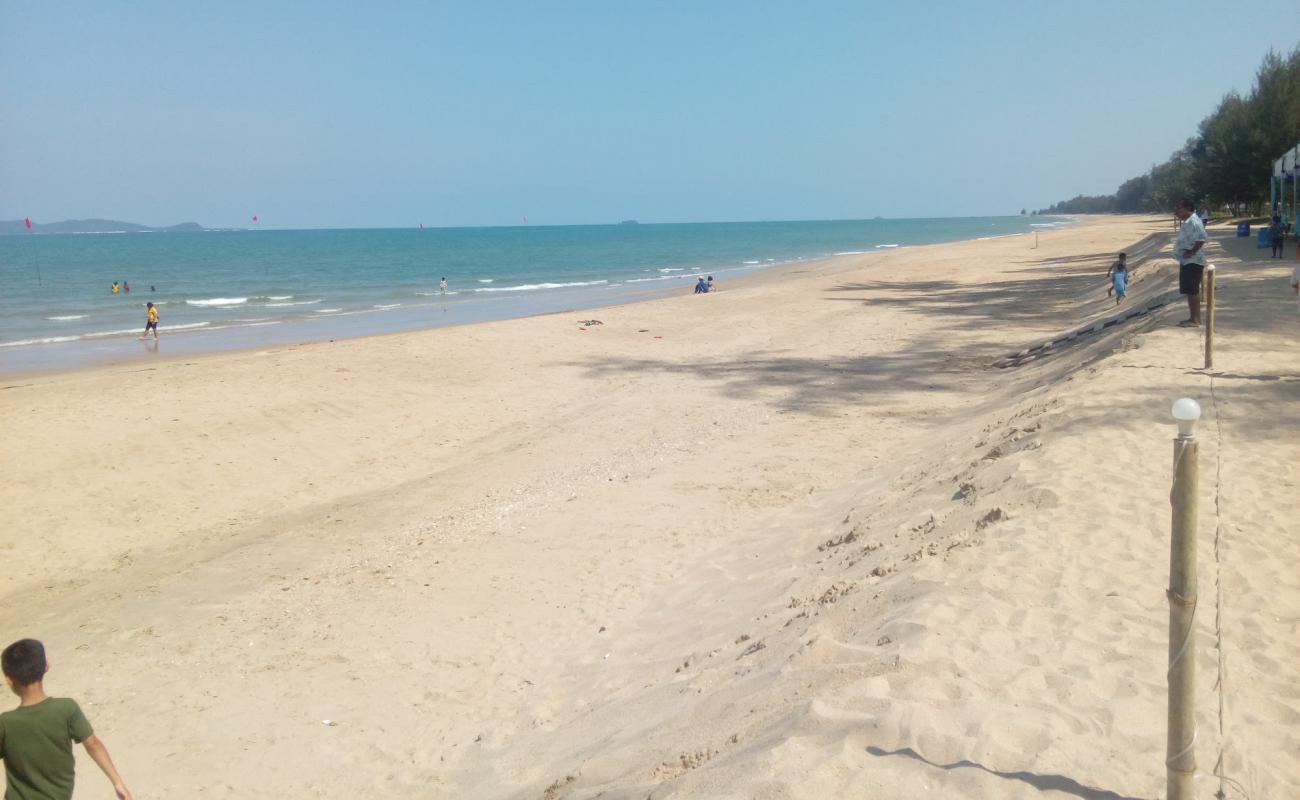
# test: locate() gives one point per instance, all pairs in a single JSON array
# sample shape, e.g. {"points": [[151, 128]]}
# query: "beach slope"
{"points": [[842, 529]]}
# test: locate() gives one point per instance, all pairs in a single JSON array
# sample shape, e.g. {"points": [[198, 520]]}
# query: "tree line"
{"points": [[1227, 165]]}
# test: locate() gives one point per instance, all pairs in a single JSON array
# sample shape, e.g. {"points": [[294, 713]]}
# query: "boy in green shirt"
{"points": [[36, 737]]}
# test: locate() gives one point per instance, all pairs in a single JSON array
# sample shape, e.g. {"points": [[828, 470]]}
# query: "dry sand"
{"points": [[800, 538]]}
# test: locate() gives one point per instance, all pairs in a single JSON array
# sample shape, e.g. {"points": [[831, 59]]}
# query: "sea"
{"points": [[229, 289]]}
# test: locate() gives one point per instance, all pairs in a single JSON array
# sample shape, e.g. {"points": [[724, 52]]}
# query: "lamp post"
{"points": [[1180, 753]]}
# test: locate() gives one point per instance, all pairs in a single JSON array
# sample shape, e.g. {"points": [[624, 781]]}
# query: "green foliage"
{"points": [[1101, 204], [1229, 161]]}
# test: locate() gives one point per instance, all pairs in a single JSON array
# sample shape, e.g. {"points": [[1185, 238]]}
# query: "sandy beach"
{"points": [[827, 532]]}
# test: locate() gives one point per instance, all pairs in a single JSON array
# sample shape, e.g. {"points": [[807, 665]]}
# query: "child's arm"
{"points": [[97, 751]]}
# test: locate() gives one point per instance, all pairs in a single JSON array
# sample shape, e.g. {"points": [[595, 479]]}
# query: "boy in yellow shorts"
{"points": [[151, 324]]}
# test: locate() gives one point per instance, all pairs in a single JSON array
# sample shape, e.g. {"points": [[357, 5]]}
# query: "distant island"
{"points": [[17, 227], [629, 222]]}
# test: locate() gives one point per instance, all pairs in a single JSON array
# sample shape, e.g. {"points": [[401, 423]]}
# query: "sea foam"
{"points": [[299, 303], [532, 287], [218, 301]]}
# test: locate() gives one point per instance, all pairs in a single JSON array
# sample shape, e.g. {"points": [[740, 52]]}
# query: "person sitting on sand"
{"points": [[701, 287], [151, 322], [36, 737], [710, 283], [1118, 274]]}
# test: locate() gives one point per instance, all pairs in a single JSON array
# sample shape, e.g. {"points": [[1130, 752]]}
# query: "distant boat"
{"points": [[629, 222]]}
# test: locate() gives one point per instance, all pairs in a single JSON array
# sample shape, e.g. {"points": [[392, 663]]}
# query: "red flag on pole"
{"points": [[28, 222], [254, 218]]}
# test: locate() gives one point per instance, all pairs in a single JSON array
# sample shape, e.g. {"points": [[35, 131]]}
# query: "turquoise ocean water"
{"points": [[218, 290]]}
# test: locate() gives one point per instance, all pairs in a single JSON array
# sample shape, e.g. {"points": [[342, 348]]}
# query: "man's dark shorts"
{"points": [[1189, 278]]}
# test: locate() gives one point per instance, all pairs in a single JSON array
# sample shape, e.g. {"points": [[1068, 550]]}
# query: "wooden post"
{"points": [[1209, 317], [1180, 752]]}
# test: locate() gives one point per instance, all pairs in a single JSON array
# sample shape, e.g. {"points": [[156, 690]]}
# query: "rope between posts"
{"points": [[1218, 613], [1169, 761]]}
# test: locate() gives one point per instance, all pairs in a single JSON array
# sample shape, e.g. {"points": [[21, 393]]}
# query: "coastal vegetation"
{"points": [[1227, 164]]}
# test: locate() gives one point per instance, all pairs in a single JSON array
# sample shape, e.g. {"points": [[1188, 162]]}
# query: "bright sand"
{"points": [[795, 539]]}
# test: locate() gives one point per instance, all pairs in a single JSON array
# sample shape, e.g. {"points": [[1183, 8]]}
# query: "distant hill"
{"points": [[16, 227]]}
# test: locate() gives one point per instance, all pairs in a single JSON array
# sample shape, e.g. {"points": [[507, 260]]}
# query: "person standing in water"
{"points": [[116, 288], [126, 287], [442, 285], [151, 322]]}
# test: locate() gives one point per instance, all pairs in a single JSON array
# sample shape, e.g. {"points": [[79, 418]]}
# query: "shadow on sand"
{"points": [[1043, 783]]}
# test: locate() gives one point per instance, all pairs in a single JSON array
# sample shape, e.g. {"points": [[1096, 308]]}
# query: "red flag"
{"points": [[254, 218], [421, 226], [28, 220]]}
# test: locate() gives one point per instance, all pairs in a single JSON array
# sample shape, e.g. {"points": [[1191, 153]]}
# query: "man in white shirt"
{"points": [[1188, 249]]}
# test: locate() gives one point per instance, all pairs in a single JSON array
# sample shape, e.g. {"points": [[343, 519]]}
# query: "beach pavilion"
{"points": [[1286, 170]]}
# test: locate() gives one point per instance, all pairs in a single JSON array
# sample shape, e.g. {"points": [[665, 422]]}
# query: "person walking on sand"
{"points": [[1277, 233], [151, 322], [1118, 274], [36, 737], [1189, 250]]}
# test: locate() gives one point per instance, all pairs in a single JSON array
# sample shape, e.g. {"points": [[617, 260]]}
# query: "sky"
{"points": [[394, 114]]}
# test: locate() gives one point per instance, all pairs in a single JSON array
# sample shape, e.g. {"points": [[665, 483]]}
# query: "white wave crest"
{"points": [[532, 287], [218, 301], [97, 335]]}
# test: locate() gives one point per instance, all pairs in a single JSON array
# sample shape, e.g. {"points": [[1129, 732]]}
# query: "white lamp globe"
{"points": [[1186, 412]]}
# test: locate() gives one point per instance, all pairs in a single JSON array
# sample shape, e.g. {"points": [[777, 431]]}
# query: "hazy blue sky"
{"points": [[478, 113]]}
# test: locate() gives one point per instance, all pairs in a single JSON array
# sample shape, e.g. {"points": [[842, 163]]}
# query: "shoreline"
{"points": [[103, 351], [220, 335]]}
